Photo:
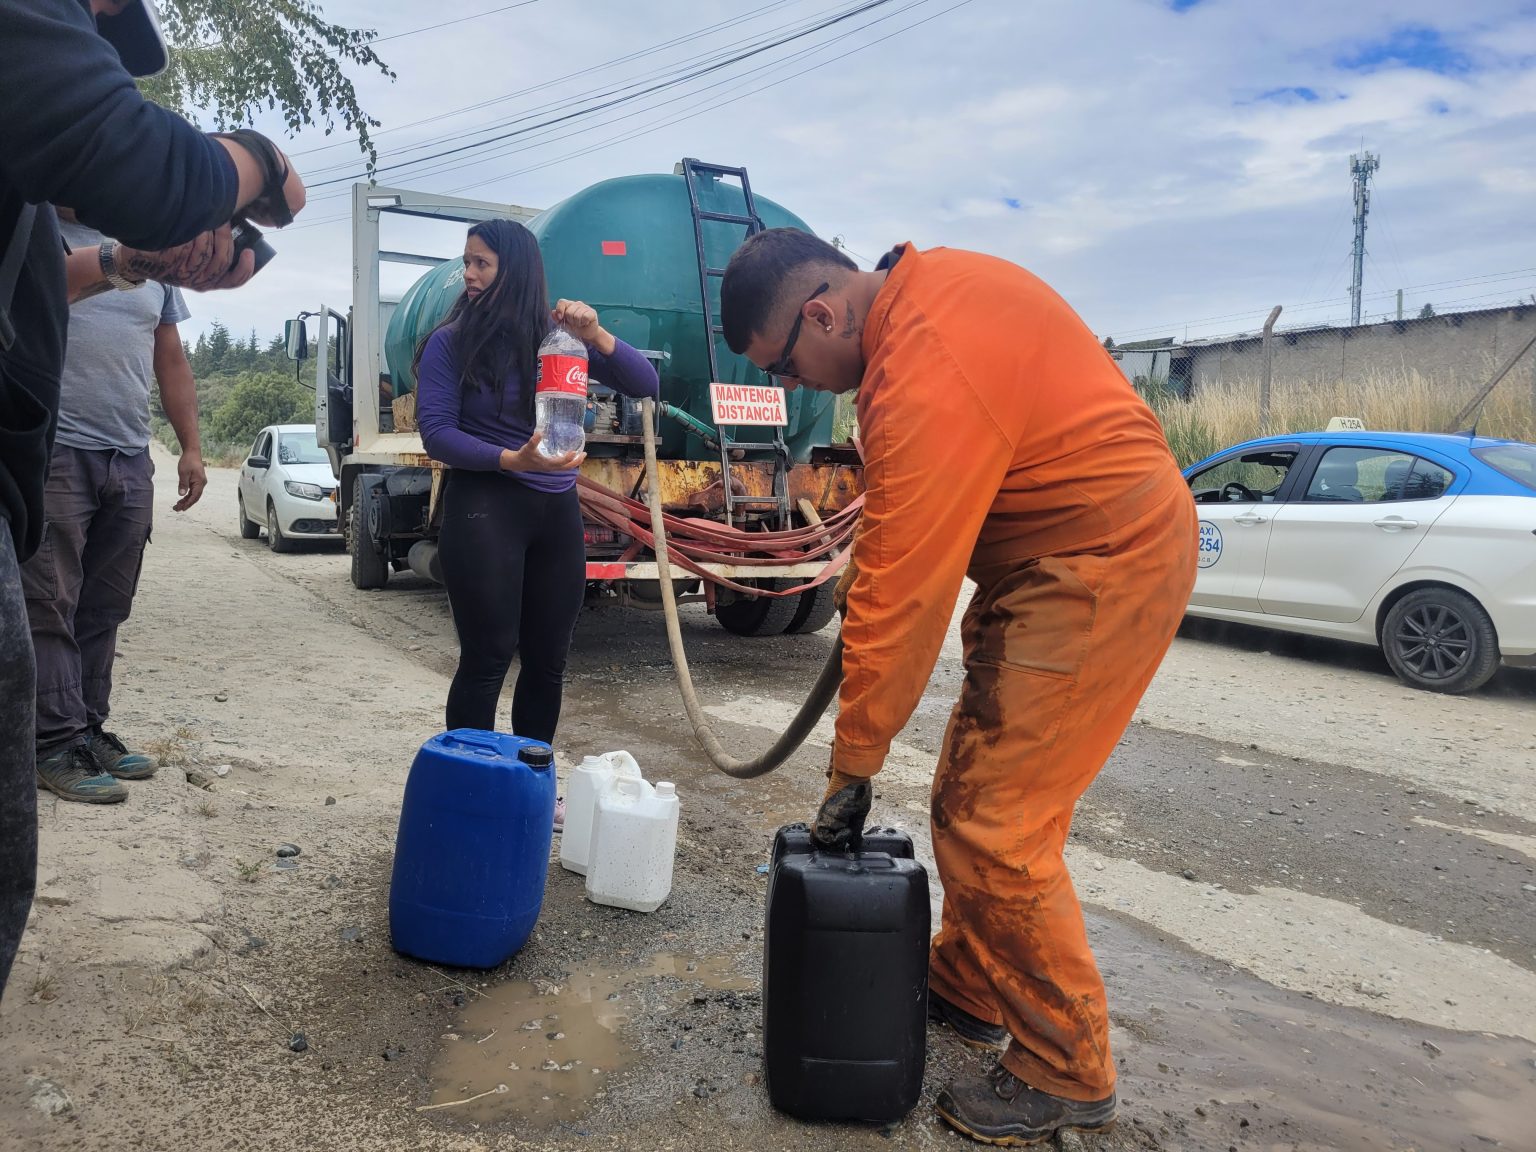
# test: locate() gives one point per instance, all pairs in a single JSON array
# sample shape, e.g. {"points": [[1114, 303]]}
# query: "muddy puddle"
{"points": [[539, 1052]]}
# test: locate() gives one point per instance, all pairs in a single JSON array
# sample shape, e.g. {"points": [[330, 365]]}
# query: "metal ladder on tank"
{"points": [[691, 171]]}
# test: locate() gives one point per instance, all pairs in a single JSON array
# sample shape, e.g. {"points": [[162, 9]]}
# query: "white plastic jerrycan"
{"points": [[634, 839], [592, 777]]}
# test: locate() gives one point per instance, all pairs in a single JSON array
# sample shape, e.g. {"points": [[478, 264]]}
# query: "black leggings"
{"points": [[514, 562]]}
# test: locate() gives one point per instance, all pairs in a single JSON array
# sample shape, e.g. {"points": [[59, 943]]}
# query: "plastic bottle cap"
{"points": [[665, 788], [536, 756]]}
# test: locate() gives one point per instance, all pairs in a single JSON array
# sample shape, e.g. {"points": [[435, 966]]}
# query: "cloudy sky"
{"points": [[1172, 167]]}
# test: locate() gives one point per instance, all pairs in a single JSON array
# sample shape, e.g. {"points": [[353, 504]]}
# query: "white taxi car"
{"points": [[1422, 544]]}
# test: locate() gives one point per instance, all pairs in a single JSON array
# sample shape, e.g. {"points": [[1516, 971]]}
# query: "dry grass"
{"points": [[168, 753], [207, 809], [1401, 402], [1220, 415], [177, 749], [44, 988]]}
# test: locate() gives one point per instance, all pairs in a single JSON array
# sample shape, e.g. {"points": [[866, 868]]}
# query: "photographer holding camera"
{"points": [[75, 131]]}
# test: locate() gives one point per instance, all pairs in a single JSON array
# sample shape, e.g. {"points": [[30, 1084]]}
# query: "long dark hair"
{"points": [[501, 329]]}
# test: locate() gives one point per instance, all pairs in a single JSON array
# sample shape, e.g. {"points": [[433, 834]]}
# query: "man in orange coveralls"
{"points": [[1000, 442]]}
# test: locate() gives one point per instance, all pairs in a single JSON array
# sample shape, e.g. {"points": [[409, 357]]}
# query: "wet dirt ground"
{"points": [[1312, 894]]}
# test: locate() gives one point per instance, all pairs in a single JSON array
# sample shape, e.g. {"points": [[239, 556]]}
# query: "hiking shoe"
{"points": [[75, 775], [999, 1108], [114, 757], [972, 1029]]}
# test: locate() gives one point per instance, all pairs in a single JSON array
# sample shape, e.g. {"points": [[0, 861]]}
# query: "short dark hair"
{"points": [[766, 270]]}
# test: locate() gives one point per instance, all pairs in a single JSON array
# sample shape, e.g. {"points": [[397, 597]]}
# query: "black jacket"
{"points": [[75, 131]]}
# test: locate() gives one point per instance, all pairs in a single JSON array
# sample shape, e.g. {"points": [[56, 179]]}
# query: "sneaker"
{"points": [[972, 1029], [999, 1108], [560, 814], [74, 774], [114, 757]]}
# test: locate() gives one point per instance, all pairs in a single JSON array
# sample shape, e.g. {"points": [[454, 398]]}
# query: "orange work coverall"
{"points": [[1002, 442]]}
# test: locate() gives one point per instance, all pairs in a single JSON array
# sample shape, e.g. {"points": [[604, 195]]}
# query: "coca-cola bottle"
{"points": [[561, 398]]}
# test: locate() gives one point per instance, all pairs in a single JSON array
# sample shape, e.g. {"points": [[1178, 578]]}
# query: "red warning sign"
{"points": [[747, 404], [615, 248]]}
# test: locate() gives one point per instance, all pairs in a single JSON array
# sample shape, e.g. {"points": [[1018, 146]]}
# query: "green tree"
{"points": [[231, 57], [219, 344], [1427, 312], [256, 400]]}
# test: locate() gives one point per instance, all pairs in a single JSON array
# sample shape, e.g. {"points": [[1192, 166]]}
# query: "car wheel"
{"points": [[1440, 640], [249, 529], [369, 569], [275, 538]]}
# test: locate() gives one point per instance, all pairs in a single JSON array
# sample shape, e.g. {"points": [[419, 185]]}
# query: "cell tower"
{"points": [[1361, 167]]}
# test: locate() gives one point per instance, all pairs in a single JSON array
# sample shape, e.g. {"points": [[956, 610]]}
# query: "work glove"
{"points": [[839, 825]]}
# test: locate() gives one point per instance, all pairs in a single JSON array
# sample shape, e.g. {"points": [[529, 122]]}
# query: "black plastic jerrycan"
{"points": [[845, 978]]}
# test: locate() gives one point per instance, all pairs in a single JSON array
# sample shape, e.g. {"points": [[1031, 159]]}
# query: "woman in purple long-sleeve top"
{"points": [[512, 548]]}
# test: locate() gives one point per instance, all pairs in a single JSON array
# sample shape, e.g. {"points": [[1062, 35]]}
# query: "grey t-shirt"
{"points": [[109, 363]]}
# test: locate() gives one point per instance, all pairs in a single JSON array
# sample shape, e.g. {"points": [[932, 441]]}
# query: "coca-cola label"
{"points": [[563, 374]]}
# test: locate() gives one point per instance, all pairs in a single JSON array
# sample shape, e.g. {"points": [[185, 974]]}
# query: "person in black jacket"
{"points": [[74, 131]]}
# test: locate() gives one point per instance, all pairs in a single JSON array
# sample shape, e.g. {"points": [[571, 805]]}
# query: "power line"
{"points": [[743, 18], [714, 107], [556, 134], [776, 64], [848, 14], [567, 102], [445, 23]]}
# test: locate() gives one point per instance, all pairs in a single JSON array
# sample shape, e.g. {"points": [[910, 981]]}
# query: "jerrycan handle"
{"points": [[481, 742]]}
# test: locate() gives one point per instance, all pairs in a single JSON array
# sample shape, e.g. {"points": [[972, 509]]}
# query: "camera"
{"points": [[247, 236]]}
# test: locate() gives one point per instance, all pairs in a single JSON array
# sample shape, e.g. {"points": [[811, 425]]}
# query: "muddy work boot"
{"points": [[971, 1029], [74, 774], [114, 757], [999, 1108]]}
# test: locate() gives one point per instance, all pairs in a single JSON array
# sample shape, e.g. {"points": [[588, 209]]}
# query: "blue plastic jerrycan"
{"points": [[473, 848]]}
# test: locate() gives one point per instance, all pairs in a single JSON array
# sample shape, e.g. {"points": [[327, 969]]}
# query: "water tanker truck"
{"points": [[757, 513]]}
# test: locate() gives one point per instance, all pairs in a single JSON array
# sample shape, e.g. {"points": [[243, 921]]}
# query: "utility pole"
{"points": [[1361, 167], [1269, 364]]}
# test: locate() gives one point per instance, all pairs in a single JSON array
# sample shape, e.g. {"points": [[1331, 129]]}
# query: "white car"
{"points": [[287, 488], [1424, 545]]}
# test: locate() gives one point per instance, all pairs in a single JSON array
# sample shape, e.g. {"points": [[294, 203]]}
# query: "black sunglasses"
{"points": [[783, 366]]}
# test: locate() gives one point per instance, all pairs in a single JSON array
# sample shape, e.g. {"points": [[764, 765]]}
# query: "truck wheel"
{"points": [[1440, 640], [815, 611], [763, 616], [369, 569]]}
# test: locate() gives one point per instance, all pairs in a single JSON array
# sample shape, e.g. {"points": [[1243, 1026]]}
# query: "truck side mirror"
{"points": [[296, 340]]}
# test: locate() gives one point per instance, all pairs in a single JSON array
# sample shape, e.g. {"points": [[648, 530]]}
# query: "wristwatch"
{"points": [[108, 260]]}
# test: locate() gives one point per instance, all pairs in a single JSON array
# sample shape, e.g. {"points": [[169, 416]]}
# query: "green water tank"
{"points": [[626, 247], [420, 310]]}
